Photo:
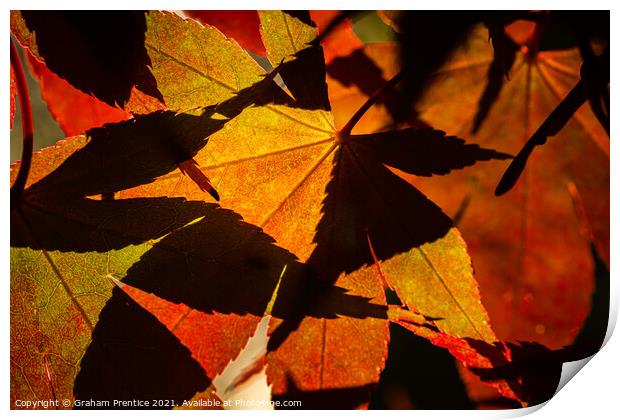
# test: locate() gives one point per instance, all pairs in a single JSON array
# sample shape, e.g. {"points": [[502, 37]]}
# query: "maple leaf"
{"points": [[302, 142], [81, 47], [183, 79], [241, 25], [342, 42], [470, 67], [531, 246], [57, 224], [302, 195], [74, 110]]}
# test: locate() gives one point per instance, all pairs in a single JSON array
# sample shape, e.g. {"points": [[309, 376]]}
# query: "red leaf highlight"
{"points": [[74, 110], [466, 354], [241, 25]]}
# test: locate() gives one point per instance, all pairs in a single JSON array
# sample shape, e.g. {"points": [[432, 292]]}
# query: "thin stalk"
{"points": [[27, 127], [345, 132], [533, 44]]}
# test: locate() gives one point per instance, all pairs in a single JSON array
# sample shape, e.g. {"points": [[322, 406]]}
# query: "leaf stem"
{"points": [[345, 132], [27, 127], [533, 43]]}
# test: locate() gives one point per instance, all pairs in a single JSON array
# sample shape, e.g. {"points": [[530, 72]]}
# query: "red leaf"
{"points": [[465, 352], [342, 41], [74, 110], [241, 25]]}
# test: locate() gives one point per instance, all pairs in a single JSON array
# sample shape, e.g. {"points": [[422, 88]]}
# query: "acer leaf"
{"points": [[576, 148], [56, 229], [538, 265], [135, 152], [57, 297], [186, 79], [528, 247], [286, 35], [122, 232], [183, 79], [100, 53], [59, 285], [295, 192], [74, 110], [241, 25], [284, 163]]}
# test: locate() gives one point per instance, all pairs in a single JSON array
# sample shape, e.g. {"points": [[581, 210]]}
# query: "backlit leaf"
{"points": [[110, 228], [241, 25], [74, 110], [529, 249]]}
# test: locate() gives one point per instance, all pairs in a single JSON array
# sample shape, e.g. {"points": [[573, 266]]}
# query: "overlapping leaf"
{"points": [[528, 247], [241, 25], [275, 140], [56, 219], [301, 196], [75, 111], [85, 49], [342, 41]]}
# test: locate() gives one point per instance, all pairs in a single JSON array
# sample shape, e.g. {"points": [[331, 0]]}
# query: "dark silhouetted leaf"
{"points": [[74, 110], [100, 53]]}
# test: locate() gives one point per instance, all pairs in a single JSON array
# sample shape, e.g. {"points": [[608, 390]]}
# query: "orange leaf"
{"points": [[109, 215]]}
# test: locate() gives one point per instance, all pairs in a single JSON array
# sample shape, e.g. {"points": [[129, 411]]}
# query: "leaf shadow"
{"points": [[222, 264], [132, 356], [217, 263], [135, 152], [365, 201], [87, 225], [367, 77], [101, 53], [305, 79], [369, 213]]}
